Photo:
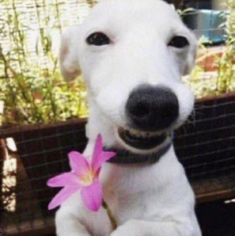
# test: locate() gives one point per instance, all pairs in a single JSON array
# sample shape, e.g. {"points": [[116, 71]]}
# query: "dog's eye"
{"points": [[98, 39], [179, 42]]}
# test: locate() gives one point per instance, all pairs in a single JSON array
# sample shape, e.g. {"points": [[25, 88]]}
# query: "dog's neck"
{"points": [[125, 157]]}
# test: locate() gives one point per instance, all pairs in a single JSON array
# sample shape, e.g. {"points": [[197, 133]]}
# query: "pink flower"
{"points": [[84, 176]]}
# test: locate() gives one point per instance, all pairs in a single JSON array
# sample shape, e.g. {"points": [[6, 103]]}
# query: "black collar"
{"points": [[126, 157]]}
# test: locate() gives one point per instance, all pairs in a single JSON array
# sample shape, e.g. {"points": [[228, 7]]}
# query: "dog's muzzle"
{"points": [[151, 108], [151, 113]]}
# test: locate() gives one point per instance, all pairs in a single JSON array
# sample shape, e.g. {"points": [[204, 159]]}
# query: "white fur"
{"points": [[146, 200]]}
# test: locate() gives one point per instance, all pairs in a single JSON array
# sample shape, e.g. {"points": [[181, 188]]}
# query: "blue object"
{"points": [[208, 23]]}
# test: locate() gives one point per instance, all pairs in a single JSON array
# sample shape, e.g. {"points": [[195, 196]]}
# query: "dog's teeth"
{"points": [[137, 133], [140, 134]]}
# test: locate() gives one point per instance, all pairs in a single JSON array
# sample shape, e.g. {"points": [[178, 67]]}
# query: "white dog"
{"points": [[132, 54]]}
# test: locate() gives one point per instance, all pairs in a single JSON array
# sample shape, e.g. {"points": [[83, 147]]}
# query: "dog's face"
{"points": [[132, 54]]}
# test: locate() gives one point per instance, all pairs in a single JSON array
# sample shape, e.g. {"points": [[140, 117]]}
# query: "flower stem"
{"points": [[110, 215]]}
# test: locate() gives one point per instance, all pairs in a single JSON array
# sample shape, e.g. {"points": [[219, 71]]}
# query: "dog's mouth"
{"points": [[141, 140]]}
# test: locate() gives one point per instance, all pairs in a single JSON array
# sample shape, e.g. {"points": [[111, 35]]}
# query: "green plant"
{"points": [[222, 79], [226, 67], [31, 86]]}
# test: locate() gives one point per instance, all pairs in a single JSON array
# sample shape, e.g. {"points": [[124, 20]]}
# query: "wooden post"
{"points": [[2, 157]]}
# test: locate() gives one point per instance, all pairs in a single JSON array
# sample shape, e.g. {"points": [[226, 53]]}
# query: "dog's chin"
{"points": [[141, 142]]}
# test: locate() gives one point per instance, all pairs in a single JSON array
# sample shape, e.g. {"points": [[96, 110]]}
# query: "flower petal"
{"points": [[78, 163], [92, 196], [97, 149], [102, 158], [60, 197], [99, 156], [65, 179]]}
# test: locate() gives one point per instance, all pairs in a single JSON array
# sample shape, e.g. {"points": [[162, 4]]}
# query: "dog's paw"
{"points": [[130, 228]]}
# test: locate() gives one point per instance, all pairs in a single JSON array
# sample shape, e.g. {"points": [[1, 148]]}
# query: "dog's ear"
{"points": [[69, 63]]}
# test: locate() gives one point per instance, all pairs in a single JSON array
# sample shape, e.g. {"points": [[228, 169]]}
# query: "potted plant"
{"points": [[206, 144], [43, 113]]}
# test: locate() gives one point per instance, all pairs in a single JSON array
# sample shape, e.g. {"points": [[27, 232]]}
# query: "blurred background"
{"points": [[42, 118]]}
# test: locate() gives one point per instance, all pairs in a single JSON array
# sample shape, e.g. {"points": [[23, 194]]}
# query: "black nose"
{"points": [[152, 108]]}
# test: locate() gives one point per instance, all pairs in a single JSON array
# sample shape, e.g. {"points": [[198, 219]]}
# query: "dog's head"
{"points": [[132, 55]]}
